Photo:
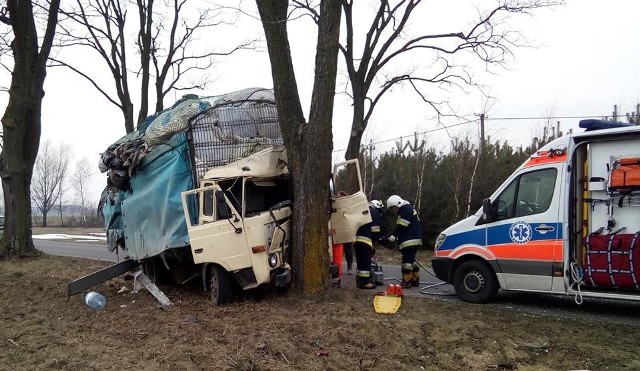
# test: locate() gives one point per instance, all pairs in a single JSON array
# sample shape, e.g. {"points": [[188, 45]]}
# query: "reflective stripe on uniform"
{"points": [[365, 274], [407, 267], [375, 228], [409, 243], [364, 240], [403, 222]]}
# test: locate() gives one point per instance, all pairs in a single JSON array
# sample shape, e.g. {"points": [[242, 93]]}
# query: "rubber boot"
{"points": [[406, 279], [415, 278], [363, 282]]}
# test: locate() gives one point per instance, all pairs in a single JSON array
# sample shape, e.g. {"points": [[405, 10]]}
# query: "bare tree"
{"points": [[309, 144], [462, 174], [166, 43], [417, 150], [376, 60], [47, 186], [21, 123], [81, 176], [634, 116]]}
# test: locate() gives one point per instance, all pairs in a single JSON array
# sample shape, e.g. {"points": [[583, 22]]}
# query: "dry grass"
{"points": [[64, 230], [41, 330]]}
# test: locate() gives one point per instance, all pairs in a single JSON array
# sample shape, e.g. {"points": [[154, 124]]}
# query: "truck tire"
{"points": [[475, 282], [156, 271], [219, 285]]}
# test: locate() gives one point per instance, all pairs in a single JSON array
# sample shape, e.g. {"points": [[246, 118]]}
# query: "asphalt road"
{"points": [[87, 250], [562, 306], [429, 284]]}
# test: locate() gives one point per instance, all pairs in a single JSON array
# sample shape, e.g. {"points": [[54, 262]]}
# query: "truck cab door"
{"points": [[217, 234], [525, 233], [349, 204]]}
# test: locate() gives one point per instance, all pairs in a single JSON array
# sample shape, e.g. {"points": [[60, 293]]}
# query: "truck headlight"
{"points": [[273, 260], [440, 240]]}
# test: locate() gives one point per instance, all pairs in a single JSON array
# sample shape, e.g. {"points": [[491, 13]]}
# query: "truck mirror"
{"points": [[221, 205], [280, 205], [487, 212]]}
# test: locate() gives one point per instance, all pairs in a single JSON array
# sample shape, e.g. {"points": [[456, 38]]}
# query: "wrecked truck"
{"points": [[202, 192]]}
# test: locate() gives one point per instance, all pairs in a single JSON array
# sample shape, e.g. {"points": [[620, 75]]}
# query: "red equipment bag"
{"points": [[613, 260], [625, 174]]}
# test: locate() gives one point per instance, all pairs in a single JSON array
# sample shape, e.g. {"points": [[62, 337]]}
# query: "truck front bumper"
{"points": [[442, 268], [283, 278]]}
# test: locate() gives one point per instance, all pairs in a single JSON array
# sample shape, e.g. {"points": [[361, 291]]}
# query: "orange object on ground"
{"points": [[338, 252], [394, 289]]}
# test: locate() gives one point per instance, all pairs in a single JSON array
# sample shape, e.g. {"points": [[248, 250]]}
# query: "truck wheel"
{"points": [[219, 285], [475, 282], [156, 271]]}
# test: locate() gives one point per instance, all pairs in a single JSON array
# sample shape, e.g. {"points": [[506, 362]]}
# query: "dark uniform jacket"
{"points": [[370, 232], [408, 229]]}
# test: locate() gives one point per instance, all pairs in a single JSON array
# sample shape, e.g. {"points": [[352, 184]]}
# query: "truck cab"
{"points": [[202, 192], [239, 223], [532, 234]]}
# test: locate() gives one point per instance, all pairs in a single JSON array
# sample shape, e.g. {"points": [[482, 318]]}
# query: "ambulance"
{"points": [[567, 221]]}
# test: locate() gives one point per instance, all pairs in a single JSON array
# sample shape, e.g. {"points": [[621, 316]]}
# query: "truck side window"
{"points": [[346, 180], [207, 203], [531, 193]]}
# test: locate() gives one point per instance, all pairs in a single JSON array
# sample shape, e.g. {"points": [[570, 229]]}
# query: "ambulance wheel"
{"points": [[475, 282], [219, 285]]}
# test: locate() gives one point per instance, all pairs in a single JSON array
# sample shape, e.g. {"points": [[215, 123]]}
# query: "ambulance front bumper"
{"points": [[442, 268]]}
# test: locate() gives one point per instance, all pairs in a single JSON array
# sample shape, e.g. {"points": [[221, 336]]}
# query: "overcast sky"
{"points": [[586, 60]]}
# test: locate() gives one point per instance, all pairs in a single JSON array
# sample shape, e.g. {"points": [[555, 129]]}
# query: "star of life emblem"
{"points": [[520, 232]]}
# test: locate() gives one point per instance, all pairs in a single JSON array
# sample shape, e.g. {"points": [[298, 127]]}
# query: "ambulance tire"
{"points": [[220, 285], [475, 282]]}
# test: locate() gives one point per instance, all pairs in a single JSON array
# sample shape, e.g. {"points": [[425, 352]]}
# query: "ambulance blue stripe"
{"points": [[473, 237], [498, 235]]}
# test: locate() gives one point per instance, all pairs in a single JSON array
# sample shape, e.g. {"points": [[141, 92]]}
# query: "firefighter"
{"points": [[409, 236], [366, 236]]}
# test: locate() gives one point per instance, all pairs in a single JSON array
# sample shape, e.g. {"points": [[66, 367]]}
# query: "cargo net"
{"points": [[236, 126], [613, 260]]}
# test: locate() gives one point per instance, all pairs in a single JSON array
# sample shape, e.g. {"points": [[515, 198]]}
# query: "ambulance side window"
{"points": [[504, 202], [530, 193]]}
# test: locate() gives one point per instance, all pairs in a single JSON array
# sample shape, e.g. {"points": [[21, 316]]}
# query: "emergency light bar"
{"points": [[594, 124], [550, 153]]}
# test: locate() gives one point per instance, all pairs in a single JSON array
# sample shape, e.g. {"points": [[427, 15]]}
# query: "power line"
{"points": [[486, 118], [544, 117], [423, 132]]}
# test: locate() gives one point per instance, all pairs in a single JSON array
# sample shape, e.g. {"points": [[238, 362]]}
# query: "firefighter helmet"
{"points": [[376, 204], [395, 200]]}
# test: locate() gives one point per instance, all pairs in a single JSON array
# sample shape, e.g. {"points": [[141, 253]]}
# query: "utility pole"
{"points": [[370, 148], [482, 117]]}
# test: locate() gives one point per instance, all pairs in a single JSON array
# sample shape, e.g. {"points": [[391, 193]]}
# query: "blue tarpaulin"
{"points": [[164, 173], [149, 168]]}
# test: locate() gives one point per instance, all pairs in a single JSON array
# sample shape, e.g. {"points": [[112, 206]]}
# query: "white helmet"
{"points": [[376, 204], [395, 200]]}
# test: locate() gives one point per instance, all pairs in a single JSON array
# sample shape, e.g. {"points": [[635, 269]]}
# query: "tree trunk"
{"points": [[44, 218], [357, 127], [309, 145], [21, 124], [127, 112], [145, 15]]}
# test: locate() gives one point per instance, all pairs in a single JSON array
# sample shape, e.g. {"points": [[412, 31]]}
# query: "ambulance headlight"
{"points": [[440, 240], [273, 260]]}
